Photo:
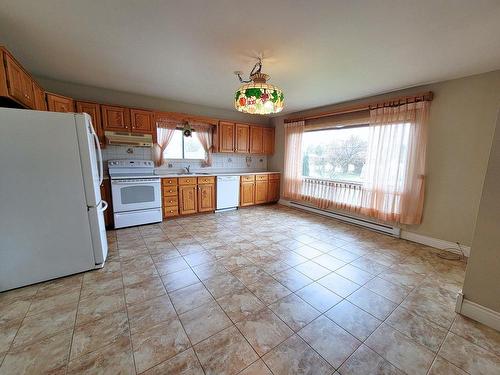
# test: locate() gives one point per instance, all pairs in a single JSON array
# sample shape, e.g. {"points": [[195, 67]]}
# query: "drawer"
{"points": [[169, 191], [169, 181], [248, 178], [187, 180], [169, 201], [274, 176], [206, 180], [170, 211], [261, 177]]}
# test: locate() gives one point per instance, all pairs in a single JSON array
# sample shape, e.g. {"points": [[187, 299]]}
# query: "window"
{"points": [[335, 154], [181, 147]]}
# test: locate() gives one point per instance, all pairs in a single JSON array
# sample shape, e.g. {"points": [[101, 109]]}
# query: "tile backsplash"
{"points": [[220, 162]]}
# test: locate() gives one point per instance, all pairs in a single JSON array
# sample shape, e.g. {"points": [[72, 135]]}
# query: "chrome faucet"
{"points": [[187, 169]]}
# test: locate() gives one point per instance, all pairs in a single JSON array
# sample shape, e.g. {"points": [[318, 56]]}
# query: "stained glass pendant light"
{"points": [[256, 96]]}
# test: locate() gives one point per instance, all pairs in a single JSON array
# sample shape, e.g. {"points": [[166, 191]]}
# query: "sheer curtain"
{"points": [[204, 133], [164, 133], [292, 179], [393, 178], [394, 175]]}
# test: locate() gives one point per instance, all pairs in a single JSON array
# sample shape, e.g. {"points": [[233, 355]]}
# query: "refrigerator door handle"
{"points": [[99, 153], [104, 206]]}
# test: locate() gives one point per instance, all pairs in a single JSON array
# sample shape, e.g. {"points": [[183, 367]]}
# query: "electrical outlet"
{"points": [[170, 165]]}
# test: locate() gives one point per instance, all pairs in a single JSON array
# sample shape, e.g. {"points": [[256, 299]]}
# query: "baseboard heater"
{"points": [[378, 227]]}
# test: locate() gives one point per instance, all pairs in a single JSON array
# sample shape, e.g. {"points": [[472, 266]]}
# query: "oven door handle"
{"points": [[135, 182]]}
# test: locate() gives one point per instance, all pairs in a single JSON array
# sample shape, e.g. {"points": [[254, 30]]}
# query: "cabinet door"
{"points": [[256, 146], [261, 191], [18, 81], [39, 96], [273, 191], [115, 118], [141, 121], [247, 193], [226, 136], [268, 140], [59, 103], [206, 198], [242, 139], [94, 111], [28, 91], [187, 199]]}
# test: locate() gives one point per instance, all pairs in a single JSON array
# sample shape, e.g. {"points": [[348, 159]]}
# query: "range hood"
{"points": [[129, 139]]}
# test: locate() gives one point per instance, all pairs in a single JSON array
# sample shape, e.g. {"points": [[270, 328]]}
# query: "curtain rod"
{"points": [[426, 96]]}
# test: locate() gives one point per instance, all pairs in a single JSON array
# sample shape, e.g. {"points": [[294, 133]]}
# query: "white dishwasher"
{"points": [[228, 192]]}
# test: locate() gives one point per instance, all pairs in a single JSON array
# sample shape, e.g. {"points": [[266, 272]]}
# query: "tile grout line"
{"points": [[178, 317], [20, 325], [74, 327], [230, 272]]}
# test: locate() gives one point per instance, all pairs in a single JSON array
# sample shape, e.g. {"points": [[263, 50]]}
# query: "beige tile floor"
{"points": [[264, 290]]}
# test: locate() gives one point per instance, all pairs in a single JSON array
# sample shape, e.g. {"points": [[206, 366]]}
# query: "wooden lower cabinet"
{"points": [[170, 211], [273, 188], [206, 198], [190, 195], [247, 193], [170, 200], [261, 188], [187, 200], [106, 196]]}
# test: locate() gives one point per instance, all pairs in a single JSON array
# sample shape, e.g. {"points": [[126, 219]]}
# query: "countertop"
{"points": [[214, 174], [172, 175]]}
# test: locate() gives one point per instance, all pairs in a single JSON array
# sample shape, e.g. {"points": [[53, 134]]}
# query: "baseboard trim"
{"points": [[414, 237], [435, 242], [390, 230], [478, 312]]}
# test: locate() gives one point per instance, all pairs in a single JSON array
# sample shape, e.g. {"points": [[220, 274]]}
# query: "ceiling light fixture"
{"points": [[256, 96]]}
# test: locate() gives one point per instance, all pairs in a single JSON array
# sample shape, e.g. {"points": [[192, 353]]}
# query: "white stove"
{"points": [[136, 192]]}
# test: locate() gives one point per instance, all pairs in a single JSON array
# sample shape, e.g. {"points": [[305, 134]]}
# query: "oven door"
{"points": [[135, 194]]}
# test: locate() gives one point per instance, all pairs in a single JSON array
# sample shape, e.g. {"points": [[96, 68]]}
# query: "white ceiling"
{"points": [[319, 51]]}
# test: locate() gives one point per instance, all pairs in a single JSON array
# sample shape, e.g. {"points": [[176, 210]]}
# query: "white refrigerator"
{"points": [[51, 212]]}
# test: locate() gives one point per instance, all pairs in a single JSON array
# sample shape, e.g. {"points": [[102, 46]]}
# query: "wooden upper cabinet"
{"points": [[19, 83], [39, 96], [226, 136], [206, 197], [94, 111], [142, 121], [268, 140], [256, 146], [115, 118], [59, 103], [242, 138], [187, 199]]}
